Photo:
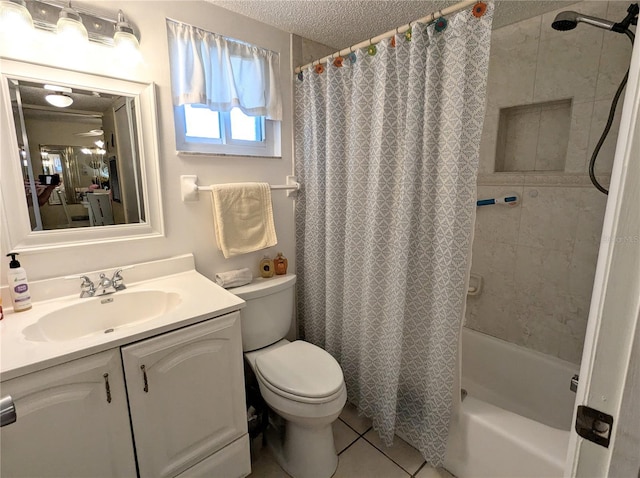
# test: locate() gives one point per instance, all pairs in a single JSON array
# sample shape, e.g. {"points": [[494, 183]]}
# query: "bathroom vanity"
{"points": [[161, 396]]}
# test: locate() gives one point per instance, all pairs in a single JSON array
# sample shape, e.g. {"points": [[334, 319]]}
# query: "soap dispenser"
{"points": [[266, 267], [18, 285]]}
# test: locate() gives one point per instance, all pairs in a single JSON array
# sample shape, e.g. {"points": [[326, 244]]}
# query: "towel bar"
{"points": [[189, 187]]}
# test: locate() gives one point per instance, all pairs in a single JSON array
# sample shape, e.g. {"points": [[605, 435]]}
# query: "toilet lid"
{"points": [[302, 369]]}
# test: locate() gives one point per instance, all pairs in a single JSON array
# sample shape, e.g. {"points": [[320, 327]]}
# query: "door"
{"points": [[186, 395], [72, 421], [607, 381]]}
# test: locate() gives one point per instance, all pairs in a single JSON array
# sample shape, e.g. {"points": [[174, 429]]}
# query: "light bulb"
{"points": [[125, 41], [70, 27], [14, 16]]}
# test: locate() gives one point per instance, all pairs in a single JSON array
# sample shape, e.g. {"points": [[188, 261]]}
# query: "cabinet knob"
{"points": [[144, 376]]}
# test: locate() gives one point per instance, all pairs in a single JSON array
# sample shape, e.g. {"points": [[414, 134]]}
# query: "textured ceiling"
{"points": [[343, 23]]}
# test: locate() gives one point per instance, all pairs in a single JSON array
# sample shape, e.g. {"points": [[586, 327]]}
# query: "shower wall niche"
{"points": [[553, 89], [533, 137]]}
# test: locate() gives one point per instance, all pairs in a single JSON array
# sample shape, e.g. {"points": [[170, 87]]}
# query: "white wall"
{"points": [[538, 259], [188, 226]]}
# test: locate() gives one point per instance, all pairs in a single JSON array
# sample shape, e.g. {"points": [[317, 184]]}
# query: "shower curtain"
{"points": [[387, 153]]}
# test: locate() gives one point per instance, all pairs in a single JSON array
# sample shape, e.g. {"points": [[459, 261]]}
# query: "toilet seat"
{"points": [[302, 372]]}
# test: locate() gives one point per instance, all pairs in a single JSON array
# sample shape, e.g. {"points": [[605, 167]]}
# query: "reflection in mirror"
{"points": [[80, 158]]}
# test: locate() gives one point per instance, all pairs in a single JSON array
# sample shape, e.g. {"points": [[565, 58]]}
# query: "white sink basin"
{"points": [[101, 315]]}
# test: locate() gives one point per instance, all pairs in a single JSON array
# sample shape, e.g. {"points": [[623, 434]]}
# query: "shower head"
{"points": [[569, 20]]}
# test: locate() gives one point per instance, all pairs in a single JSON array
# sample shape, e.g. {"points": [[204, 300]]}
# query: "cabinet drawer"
{"points": [[233, 461]]}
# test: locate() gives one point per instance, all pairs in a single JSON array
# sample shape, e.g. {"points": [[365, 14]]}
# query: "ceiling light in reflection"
{"points": [[59, 99]]}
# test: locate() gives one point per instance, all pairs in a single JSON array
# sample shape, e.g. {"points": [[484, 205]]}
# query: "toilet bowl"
{"points": [[304, 385], [300, 382]]}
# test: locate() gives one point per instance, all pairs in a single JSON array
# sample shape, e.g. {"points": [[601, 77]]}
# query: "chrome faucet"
{"points": [[105, 285], [104, 282]]}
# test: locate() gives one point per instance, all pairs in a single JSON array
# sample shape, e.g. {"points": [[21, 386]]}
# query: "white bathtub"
{"points": [[516, 417]]}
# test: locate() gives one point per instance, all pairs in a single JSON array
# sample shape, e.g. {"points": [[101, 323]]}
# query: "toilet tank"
{"points": [[267, 316]]}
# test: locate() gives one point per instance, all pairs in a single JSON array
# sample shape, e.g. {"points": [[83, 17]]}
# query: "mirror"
{"points": [[84, 170], [93, 136]]}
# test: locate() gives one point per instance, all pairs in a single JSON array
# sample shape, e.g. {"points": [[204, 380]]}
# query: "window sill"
{"points": [[199, 153]]}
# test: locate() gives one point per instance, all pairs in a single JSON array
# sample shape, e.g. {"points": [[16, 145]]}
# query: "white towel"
{"points": [[243, 217], [233, 278]]}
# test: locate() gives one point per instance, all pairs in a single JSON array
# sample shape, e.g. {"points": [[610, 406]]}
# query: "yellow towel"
{"points": [[243, 217]]}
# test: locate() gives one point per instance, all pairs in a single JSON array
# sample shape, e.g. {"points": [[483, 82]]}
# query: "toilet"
{"points": [[301, 383]]}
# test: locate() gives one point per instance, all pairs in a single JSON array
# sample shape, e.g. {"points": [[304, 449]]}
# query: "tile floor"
{"points": [[360, 454]]}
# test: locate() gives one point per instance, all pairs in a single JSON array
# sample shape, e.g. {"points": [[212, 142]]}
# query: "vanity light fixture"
{"points": [[70, 26], [76, 22]]}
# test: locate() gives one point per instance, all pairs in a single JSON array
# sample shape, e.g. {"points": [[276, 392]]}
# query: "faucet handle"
{"points": [[87, 288], [117, 281]]}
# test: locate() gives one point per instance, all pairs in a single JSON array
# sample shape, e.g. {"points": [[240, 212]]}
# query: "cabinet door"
{"points": [[70, 422], [186, 395]]}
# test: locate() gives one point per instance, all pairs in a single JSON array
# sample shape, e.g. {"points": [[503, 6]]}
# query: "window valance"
{"points": [[223, 73]]}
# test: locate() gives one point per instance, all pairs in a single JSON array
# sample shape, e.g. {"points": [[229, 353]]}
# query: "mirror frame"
{"points": [[15, 218]]}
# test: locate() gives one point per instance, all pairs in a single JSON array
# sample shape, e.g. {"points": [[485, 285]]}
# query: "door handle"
{"points": [[7, 411]]}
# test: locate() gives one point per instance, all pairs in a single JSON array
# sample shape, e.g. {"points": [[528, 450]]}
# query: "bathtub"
{"points": [[516, 418]]}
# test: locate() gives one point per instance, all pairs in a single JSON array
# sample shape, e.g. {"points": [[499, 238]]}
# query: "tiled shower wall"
{"points": [[538, 259]]}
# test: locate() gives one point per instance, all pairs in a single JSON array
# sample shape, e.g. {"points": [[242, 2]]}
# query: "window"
{"points": [[225, 93]]}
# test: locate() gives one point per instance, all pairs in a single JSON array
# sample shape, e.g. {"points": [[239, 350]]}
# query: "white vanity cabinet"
{"points": [[177, 399], [72, 421], [187, 401]]}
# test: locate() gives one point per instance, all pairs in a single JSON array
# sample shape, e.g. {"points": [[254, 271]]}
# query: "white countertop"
{"points": [[201, 299]]}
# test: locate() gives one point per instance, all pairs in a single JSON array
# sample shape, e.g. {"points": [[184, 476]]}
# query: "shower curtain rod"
{"points": [[396, 31]]}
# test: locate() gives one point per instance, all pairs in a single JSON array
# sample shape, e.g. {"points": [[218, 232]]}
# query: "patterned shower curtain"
{"points": [[387, 155]]}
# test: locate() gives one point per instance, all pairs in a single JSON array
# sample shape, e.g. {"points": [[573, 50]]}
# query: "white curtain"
{"points": [[223, 73], [387, 154]]}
